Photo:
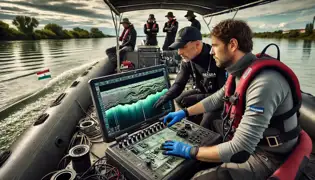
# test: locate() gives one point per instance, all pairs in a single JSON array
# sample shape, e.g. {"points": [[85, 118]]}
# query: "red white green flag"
{"points": [[43, 74]]}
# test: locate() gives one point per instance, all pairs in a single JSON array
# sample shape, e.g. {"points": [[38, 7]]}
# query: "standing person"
{"points": [[198, 63], [192, 18], [170, 27], [151, 28], [128, 38], [261, 99]]}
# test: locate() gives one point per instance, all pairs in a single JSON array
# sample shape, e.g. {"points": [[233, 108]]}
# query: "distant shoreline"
{"points": [[26, 30], [293, 34]]}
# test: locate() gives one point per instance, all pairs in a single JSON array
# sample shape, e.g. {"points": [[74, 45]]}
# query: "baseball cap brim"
{"points": [[177, 45]]}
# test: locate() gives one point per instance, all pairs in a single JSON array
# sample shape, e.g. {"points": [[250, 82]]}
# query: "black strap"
{"points": [[278, 121], [194, 75], [274, 141]]}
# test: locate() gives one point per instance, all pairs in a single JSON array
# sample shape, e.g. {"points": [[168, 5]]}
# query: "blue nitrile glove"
{"points": [[175, 148], [174, 117]]}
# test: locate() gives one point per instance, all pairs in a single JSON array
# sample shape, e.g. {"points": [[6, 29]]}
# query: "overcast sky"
{"points": [[283, 14]]}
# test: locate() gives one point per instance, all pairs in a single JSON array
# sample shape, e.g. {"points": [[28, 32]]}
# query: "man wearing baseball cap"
{"points": [[198, 63]]}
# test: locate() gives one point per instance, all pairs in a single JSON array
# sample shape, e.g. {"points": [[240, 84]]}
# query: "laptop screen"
{"points": [[124, 102]]}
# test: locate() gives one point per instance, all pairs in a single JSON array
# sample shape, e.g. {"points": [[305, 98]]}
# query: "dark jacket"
{"points": [[151, 35], [206, 84], [131, 38], [195, 23], [170, 28]]}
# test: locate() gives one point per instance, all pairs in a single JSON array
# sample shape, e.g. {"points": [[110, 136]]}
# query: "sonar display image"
{"points": [[128, 105]]}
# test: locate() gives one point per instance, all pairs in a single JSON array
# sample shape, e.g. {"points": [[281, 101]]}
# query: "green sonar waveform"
{"points": [[129, 114]]}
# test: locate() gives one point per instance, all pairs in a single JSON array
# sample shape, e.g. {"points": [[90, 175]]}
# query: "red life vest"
{"points": [[171, 22], [153, 27], [124, 34], [234, 105]]}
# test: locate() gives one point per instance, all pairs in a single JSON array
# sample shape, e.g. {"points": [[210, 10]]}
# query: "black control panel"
{"points": [[139, 155]]}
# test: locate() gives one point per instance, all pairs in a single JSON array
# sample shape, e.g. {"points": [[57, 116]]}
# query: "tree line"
{"points": [[26, 31], [294, 34], [309, 33]]}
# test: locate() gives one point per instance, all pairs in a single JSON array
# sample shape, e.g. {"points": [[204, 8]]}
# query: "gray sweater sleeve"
{"points": [[265, 93], [214, 101]]}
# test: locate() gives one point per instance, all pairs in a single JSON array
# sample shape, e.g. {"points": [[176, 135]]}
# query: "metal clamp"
{"points": [[275, 138]]}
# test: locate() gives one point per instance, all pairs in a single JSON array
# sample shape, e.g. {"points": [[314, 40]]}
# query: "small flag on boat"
{"points": [[43, 74]]}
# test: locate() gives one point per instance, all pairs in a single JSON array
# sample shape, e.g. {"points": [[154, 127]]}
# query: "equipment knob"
{"points": [[150, 130], [146, 132], [120, 145], [134, 138], [125, 142], [138, 136], [148, 162], [188, 126], [130, 140], [142, 134]]}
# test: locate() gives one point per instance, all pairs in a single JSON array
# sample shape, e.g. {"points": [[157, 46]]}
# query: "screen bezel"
{"points": [[106, 137]]}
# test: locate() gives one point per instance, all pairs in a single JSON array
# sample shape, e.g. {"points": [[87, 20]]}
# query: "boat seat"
{"points": [[292, 168], [132, 56]]}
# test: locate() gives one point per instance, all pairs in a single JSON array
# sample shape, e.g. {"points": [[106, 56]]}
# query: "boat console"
{"points": [[146, 56], [124, 105]]}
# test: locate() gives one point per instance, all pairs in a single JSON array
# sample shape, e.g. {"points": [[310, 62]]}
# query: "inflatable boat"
{"points": [[43, 145], [43, 151]]}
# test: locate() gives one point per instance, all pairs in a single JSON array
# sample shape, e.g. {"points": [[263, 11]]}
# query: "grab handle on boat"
{"points": [[58, 100], [74, 84], [85, 73], [42, 118]]}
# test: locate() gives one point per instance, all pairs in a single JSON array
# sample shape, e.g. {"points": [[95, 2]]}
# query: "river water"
{"points": [[66, 59]]}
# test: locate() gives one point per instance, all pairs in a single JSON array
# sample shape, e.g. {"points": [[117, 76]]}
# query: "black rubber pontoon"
{"points": [[41, 147]]}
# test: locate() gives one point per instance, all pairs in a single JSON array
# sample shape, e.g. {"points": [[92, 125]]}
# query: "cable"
{"points": [[94, 175], [85, 111], [63, 158], [95, 155], [49, 174], [99, 169]]}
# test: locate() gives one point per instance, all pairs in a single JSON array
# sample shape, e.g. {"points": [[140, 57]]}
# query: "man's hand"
{"points": [[148, 30], [160, 102], [175, 148], [174, 117]]}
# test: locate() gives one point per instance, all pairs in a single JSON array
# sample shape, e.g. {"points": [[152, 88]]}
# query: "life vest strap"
{"points": [[277, 140], [278, 121], [231, 99]]}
